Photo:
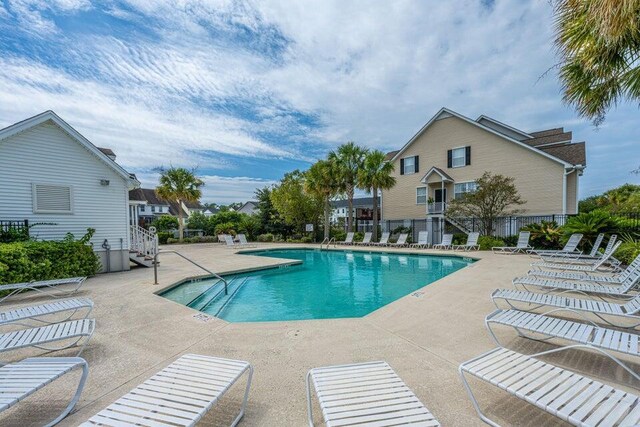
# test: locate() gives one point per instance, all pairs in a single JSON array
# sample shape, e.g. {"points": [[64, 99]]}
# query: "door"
{"points": [[440, 195]]}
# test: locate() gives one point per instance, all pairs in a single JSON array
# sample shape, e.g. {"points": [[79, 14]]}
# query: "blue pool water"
{"points": [[328, 284]]}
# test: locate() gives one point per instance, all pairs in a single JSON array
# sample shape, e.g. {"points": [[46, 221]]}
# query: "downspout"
{"points": [[564, 188]]}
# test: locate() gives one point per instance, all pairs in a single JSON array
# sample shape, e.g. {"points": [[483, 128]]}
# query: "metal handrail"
{"points": [[155, 268], [333, 239], [326, 239]]}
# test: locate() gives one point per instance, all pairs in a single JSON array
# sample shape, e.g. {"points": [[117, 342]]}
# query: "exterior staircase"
{"points": [[457, 223], [144, 246]]}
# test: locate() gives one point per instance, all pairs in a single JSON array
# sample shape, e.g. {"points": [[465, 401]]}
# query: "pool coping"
{"points": [[290, 262]]}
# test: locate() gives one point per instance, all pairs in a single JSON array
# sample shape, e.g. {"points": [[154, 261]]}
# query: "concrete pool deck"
{"points": [[424, 337]]}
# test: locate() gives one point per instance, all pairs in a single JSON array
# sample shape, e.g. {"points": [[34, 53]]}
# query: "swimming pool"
{"points": [[327, 284]]}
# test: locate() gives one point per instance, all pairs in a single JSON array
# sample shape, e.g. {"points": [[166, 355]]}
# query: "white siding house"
{"points": [[51, 174]]}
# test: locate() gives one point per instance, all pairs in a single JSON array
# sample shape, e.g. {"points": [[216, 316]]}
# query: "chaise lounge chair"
{"points": [[552, 327], [571, 247], [618, 290], [472, 243], [447, 239], [522, 245], [47, 287], [384, 240], [179, 395], [422, 240], [401, 242], [601, 309], [366, 240], [21, 379], [582, 265], [72, 332], [614, 278], [35, 313], [348, 240], [242, 241], [365, 394], [594, 254], [572, 397], [222, 238]]}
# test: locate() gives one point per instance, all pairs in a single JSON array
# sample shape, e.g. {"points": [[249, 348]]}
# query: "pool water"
{"points": [[328, 284]]}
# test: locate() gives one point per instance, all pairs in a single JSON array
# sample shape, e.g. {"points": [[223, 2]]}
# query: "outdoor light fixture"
{"points": [[104, 182]]}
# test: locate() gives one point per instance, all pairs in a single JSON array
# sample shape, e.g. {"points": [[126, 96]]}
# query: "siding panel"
{"points": [[45, 154]]}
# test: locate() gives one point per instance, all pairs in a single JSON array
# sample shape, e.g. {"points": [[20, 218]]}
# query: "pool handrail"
{"points": [[155, 268]]}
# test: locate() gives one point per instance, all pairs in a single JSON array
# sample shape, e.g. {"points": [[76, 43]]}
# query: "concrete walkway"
{"points": [[424, 338]]}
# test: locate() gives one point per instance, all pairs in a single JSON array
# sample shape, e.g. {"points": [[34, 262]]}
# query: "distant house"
{"points": [[52, 175], [147, 205], [362, 212], [248, 208], [210, 211]]}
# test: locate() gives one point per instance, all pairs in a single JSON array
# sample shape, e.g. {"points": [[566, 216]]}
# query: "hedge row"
{"points": [[45, 260]]}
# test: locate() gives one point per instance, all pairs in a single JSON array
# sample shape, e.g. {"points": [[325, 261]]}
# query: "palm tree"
{"points": [[376, 175], [348, 159], [599, 45], [321, 181], [179, 185]]}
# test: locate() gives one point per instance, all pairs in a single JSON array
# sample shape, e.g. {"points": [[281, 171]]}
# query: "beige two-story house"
{"points": [[442, 161]]}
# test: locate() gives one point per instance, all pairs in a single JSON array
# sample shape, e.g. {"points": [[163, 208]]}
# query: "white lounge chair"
{"points": [[21, 379], [348, 240], [401, 242], [47, 287], [610, 279], [180, 394], [582, 265], [447, 239], [552, 327], [601, 309], [222, 238], [242, 239], [229, 243], [423, 240], [69, 333], [472, 243], [39, 313], [366, 239], [619, 290], [571, 247], [365, 394], [384, 240], [591, 255], [572, 397], [521, 246]]}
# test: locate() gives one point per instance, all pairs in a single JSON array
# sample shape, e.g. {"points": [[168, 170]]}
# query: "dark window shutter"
{"points": [[416, 167], [449, 158], [467, 155], [401, 166]]}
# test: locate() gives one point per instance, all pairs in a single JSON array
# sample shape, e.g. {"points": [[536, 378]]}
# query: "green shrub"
{"points": [[589, 224], [46, 260], [267, 237], [488, 242], [459, 238], [163, 236], [628, 250], [545, 235], [510, 240], [165, 223], [306, 239], [14, 234], [171, 241], [225, 228], [358, 236], [339, 235]]}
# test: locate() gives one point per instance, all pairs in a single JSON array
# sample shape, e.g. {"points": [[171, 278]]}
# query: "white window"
{"points": [[409, 165], [459, 189], [153, 208], [421, 195], [49, 198], [458, 157]]}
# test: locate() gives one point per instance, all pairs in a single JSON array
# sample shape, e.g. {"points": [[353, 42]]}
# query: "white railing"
{"points": [[436, 207], [144, 242]]}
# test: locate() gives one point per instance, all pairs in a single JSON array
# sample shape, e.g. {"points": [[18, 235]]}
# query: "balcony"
{"points": [[436, 207]]}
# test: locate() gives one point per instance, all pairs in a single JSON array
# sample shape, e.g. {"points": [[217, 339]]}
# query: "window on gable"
{"points": [[421, 195], [458, 157], [49, 198], [460, 189]]}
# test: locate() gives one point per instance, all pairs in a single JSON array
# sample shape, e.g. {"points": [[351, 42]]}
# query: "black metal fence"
{"points": [[11, 230]]}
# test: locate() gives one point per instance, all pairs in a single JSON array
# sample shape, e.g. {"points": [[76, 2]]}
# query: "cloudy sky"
{"points": [[246, 91]]}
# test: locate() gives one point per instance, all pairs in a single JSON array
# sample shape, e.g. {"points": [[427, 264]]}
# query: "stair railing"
{"points": [[155, 268], [144, 242]]}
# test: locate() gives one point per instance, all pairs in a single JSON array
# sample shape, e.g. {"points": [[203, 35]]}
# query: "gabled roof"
{"points": [[49, 115], [523, 134], [357, 203], [445, 112], [148, 195], [439, 171]]}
